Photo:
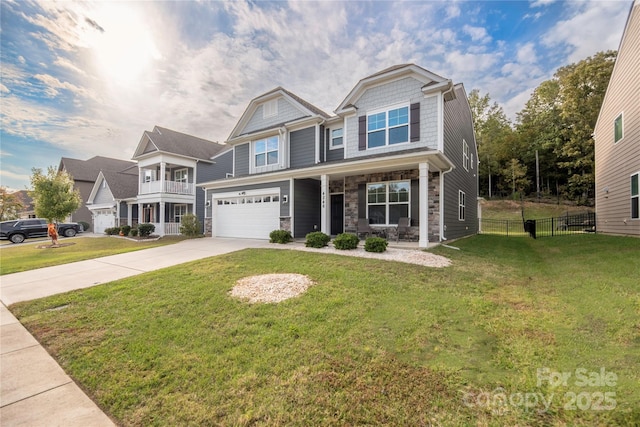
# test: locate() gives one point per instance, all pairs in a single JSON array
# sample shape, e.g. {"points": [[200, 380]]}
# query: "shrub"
{"points": [[112, 231], [317, 239], [85, 225], [145, 230], [375, 244], [280, 236], [133, 232], [125, 230], [346, 241], [190, 226]]}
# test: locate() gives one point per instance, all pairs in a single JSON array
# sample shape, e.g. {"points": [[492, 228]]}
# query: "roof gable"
{"points": [[87, 170], [169, 141], [121, 185], [290, 107], [431, 82]]}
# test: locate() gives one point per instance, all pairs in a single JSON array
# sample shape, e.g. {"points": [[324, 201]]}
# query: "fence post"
{"points": [[552, 227]]}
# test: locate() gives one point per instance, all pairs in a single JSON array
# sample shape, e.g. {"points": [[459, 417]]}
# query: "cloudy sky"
{"points": [[86, 79]]}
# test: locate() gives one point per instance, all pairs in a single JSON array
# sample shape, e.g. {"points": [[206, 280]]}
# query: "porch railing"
{"points": [[169, 229], [170, 187]]}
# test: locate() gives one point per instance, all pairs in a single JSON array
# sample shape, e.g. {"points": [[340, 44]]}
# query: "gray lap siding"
{"points": [[302, 150], [306, 207]]}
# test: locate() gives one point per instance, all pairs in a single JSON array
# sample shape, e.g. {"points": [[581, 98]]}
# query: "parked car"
{"points": [[19, 229]]}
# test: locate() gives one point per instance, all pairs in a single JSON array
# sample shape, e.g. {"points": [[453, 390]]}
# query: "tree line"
{"points": [[549, 150]]}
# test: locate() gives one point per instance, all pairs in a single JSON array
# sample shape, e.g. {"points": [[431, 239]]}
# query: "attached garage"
{"points": [[103, 219], [246, 216]]}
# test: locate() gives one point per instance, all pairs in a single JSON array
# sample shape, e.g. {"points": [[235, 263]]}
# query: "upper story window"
{"points": [[388, 127], [618, 131], [266, 151], [337, 138], [270, 108], [635, 196], [465, 155], [461, 205], [387, 202], [149, 175], [180, 175]]}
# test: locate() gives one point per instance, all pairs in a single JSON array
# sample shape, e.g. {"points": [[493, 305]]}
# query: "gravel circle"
{"points": [[270, 288]]}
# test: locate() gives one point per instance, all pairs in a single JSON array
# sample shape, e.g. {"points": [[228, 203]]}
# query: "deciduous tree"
{"points": [[54, 197], [10, 205]]}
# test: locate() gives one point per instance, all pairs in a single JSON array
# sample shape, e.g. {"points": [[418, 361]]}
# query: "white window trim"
{"points": [[180, 205], [465, 155], [631, 197], [621, 116], [186, 175], [331, 145], [387, 203], [267, 167], [462, 206], [386, 128]]}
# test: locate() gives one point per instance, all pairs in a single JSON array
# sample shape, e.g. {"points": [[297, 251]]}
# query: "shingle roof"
{"points": [[186, 145], [87, 170], [122, 185]]}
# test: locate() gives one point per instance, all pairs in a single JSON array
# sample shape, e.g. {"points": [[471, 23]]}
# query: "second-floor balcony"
{"points": [[169, 187]]}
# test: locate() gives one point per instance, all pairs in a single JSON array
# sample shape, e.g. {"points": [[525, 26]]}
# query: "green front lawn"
{"points": [[372, 343], [28, 257]]}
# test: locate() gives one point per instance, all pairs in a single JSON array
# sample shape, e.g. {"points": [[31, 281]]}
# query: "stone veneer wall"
{"points": [[208, 227], [285, 223], [351, 184]]}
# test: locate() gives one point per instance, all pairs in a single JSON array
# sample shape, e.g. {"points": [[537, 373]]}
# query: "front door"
{"points": [[337, 214]]}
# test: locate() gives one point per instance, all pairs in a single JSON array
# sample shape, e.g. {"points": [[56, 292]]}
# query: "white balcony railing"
{"points": [[169, 229], [170, 187]]}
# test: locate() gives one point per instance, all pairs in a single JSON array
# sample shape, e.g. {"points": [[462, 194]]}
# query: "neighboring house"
{"points": [[112, 199], [28, 210], [170, 164], [617, 139], [84, 173], [401, 145]]}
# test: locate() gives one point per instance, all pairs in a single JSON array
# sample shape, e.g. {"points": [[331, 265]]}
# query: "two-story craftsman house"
{"points": [[400, 145]]}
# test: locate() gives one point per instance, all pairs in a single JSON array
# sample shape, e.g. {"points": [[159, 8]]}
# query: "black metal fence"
{"points": [[547, 227]]}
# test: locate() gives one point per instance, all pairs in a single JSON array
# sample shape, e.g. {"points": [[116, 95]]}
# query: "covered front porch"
{"points": [[165, 216]]}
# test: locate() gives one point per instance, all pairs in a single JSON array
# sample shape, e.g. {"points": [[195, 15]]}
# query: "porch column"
{"points": [[129, 213], [140, 213], [163, 168], [161, 231], [325, 227], [424, 205]]}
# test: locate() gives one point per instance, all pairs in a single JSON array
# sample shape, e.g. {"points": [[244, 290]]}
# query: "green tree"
{"points": [[495, 139], [10, 205], [54, 197]]}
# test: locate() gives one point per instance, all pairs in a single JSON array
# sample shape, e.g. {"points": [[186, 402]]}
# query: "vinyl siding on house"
{"points": [[302, 148], [103, 196], [241, 166], [306, 207], [286, 113], [616, 162], [407, 90], [458, 127]]}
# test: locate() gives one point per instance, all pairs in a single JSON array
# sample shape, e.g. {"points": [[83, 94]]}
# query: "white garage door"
{"points": [[252, 217], [102, 220]]}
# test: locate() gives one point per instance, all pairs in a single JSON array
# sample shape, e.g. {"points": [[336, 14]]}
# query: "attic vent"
{"points": [[270, 109]]}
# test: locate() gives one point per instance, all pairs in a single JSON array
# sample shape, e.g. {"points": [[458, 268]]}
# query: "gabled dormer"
{"points": [[396, 109], [278, 130]]}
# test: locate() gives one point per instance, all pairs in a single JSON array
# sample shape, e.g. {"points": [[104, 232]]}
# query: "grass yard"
{"points": [[483, 342], [28, 257]]}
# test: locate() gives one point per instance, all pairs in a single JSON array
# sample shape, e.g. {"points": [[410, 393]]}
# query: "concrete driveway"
{"points": [[34, 390]]}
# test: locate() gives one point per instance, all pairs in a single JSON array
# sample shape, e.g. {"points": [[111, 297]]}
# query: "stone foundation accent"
{"points": [[285, 223], [208, 227]]}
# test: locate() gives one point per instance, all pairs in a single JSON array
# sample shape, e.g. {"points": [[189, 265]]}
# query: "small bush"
{"points": [[317, 239], [375, 244], [145, 230], [112, 231], [133, 232], [190, 226], [346, 241], [280, 236], [85, 225], [125, 230]]}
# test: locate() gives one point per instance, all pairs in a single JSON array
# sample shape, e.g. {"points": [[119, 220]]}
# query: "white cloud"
{"points": [[4, 89], [527, 53], [541, 3], [477, 34]]}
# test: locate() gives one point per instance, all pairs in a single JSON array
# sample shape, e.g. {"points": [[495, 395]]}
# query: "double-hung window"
{"points": [[388, 201], [635, 196], [618, 131], [465, 155], [461, 205], [388, 127], [180, 175], [266, 151], [337, 136]]}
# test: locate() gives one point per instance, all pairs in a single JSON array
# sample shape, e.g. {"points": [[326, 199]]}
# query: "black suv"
{"points": [[19, 229]]}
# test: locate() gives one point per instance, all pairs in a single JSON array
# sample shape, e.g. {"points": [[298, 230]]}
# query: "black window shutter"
{"points": [[362, 133], [415, 122], [328, 138], [362, 200]]}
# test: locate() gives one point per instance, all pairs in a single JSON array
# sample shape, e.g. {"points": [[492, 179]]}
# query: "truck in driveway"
{"points": [[18, 230]]}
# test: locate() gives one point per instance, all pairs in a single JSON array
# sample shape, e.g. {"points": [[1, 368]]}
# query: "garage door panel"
{"points": [[247, 220]]}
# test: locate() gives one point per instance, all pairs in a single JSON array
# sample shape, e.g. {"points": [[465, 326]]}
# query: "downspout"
{"points": [[442, 225]]}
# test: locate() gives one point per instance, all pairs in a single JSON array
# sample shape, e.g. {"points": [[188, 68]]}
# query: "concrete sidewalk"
{"points": [[34, 390]]}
